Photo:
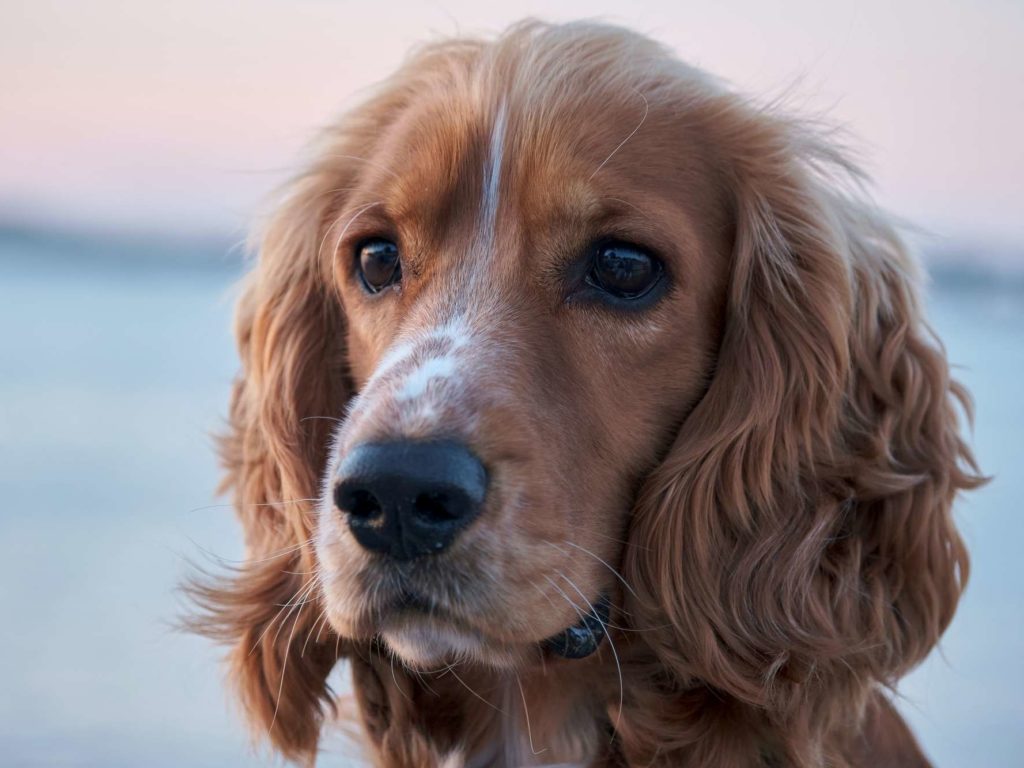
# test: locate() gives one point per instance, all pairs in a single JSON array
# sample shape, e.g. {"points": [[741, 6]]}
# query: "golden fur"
{"points": [[759, 469]]}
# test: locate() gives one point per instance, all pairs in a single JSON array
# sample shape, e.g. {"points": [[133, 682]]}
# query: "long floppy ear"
{"points": [[291, 336], [798, 537]]}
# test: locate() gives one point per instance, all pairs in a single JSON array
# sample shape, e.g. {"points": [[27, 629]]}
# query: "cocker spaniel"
{"points": [[588, 410]]}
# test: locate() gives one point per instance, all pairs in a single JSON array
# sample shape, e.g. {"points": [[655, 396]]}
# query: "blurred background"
{"points": [[137, 143]]}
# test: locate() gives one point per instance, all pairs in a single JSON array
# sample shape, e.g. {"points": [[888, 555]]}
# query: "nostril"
{"points": [[357, 502], [364, 504], [437, 507]]}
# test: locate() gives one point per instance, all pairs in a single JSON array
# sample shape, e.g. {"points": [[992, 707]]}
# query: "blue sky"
{"points": [[182, 116]]}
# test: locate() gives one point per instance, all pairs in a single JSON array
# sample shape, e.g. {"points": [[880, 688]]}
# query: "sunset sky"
{"points": [[182, 116]]}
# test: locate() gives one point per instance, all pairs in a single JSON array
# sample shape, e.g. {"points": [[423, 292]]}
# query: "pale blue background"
{"points": [[115, 363]]}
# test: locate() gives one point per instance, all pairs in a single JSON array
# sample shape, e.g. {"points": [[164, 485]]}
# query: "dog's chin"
{"points": [[426, 644]]}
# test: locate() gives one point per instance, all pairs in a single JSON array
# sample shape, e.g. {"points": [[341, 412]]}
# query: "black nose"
{"points": [[407, 499]]}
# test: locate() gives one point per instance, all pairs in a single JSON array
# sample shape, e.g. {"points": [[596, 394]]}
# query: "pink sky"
{"points": [[182, 116]]}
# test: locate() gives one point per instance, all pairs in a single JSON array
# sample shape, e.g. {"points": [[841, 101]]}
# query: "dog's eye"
{"points": [[379, 264], [623, 270]]}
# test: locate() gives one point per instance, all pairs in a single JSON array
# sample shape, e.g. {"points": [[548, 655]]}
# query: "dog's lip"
{"points": [[585, 636], [578, 641]]}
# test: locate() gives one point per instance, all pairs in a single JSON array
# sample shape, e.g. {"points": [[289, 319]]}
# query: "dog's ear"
{"points": [[290, 329], [797, 545]]}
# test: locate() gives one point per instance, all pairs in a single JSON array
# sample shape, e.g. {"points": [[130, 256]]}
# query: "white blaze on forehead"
{"points": [[492, 178]]}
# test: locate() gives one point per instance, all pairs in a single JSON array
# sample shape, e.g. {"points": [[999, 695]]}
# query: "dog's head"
{"points": [[558, 335]]}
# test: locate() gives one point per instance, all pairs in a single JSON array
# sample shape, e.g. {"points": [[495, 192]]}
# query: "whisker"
{"points": [[391, 656], [284, 670], [605, 563], [569, 600], [621, 609], [419, 676], [526, 710], [295, 609], [299, 595], [465, 685], [647, 109], [272, 555], [626, 202], [618, 608], [545, 595], [359, 212], [322, 620], [309, 596], [611, 644], [247, 506], [278, 553], [306, 601], [323, 625], [271, 623], [624, 542]]}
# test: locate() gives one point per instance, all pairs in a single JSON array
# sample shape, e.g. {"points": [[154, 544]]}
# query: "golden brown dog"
{"points": [[588, 410]]}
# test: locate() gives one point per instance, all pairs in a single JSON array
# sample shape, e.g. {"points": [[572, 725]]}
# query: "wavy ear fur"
{"points": [[291, 337], [798, 538]]}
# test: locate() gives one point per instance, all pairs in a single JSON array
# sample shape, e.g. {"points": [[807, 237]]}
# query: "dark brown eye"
{"points": [[379, 264], [623, 270]]}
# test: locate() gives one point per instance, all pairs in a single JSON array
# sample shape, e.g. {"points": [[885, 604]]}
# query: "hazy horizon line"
{"points": [[148, 247]]}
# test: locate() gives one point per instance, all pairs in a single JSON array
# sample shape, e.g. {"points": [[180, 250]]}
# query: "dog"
{"points": [[588, 409]]}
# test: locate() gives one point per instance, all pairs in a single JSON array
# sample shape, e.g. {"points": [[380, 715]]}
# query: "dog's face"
{"points": [[564, 335], [535, 306]]}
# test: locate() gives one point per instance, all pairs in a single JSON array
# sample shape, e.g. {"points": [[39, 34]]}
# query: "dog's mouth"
{"points": [[585, 636], [578, 641]]}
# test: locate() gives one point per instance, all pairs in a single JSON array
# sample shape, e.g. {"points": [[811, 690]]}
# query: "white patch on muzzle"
{"points": [[421, 375], [431, 369]]}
